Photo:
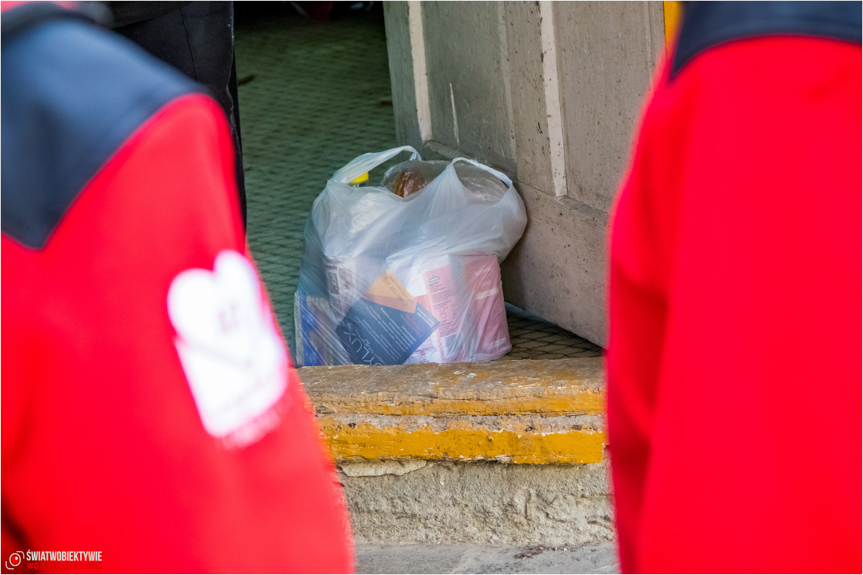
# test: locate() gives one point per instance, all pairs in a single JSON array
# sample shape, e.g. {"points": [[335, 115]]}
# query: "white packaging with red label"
{"points": [[438, 287], [463, 293]]}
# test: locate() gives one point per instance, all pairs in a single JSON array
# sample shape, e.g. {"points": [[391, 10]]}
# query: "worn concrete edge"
{"points": [[544, 387], [527, 411]]}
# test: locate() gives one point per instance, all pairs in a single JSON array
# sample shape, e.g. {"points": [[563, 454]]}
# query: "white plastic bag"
{"points": [[389, 280]]}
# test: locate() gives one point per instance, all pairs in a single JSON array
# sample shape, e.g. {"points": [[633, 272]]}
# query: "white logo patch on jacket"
{"points": [[233, 358]]}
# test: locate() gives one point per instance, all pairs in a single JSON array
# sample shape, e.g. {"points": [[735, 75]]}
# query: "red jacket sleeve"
{"points": [[106, 445], [734, 358]]}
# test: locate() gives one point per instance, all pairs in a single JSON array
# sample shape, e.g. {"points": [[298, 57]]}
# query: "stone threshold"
{"points": [[521, 411]]}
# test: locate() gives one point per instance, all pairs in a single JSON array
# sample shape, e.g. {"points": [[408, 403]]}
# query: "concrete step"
{"points": [[506, 453], [524, 411]]}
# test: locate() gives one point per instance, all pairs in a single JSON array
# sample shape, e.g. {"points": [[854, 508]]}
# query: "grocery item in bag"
{"points": [[315, 328], [408, 182], [464, 294], [386, 325], [437, 284], [482, 274]]}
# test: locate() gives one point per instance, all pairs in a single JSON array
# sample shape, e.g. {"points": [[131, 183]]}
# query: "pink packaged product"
{"points": [[482, 274], [464, 295]]}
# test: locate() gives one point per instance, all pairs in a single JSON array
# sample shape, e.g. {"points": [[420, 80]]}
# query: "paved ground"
{"points": [[313, 97], [600, 558]]}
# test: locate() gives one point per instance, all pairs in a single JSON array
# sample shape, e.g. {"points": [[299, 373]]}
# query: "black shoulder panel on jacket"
{"points": [[709, 24], [72, 94], [21, 18]]}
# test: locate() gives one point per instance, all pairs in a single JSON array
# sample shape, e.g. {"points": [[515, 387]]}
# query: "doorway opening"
{"points": [[312, 96]]}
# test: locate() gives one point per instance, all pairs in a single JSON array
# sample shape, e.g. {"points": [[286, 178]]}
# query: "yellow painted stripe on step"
{"points": [[465, 443]]}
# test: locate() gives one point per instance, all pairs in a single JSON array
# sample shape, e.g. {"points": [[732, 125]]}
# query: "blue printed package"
{"points": [[376, 334], [314, 329]]}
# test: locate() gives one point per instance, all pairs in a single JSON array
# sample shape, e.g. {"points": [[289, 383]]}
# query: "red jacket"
{"points": [[734, 358], [149, 410]]}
